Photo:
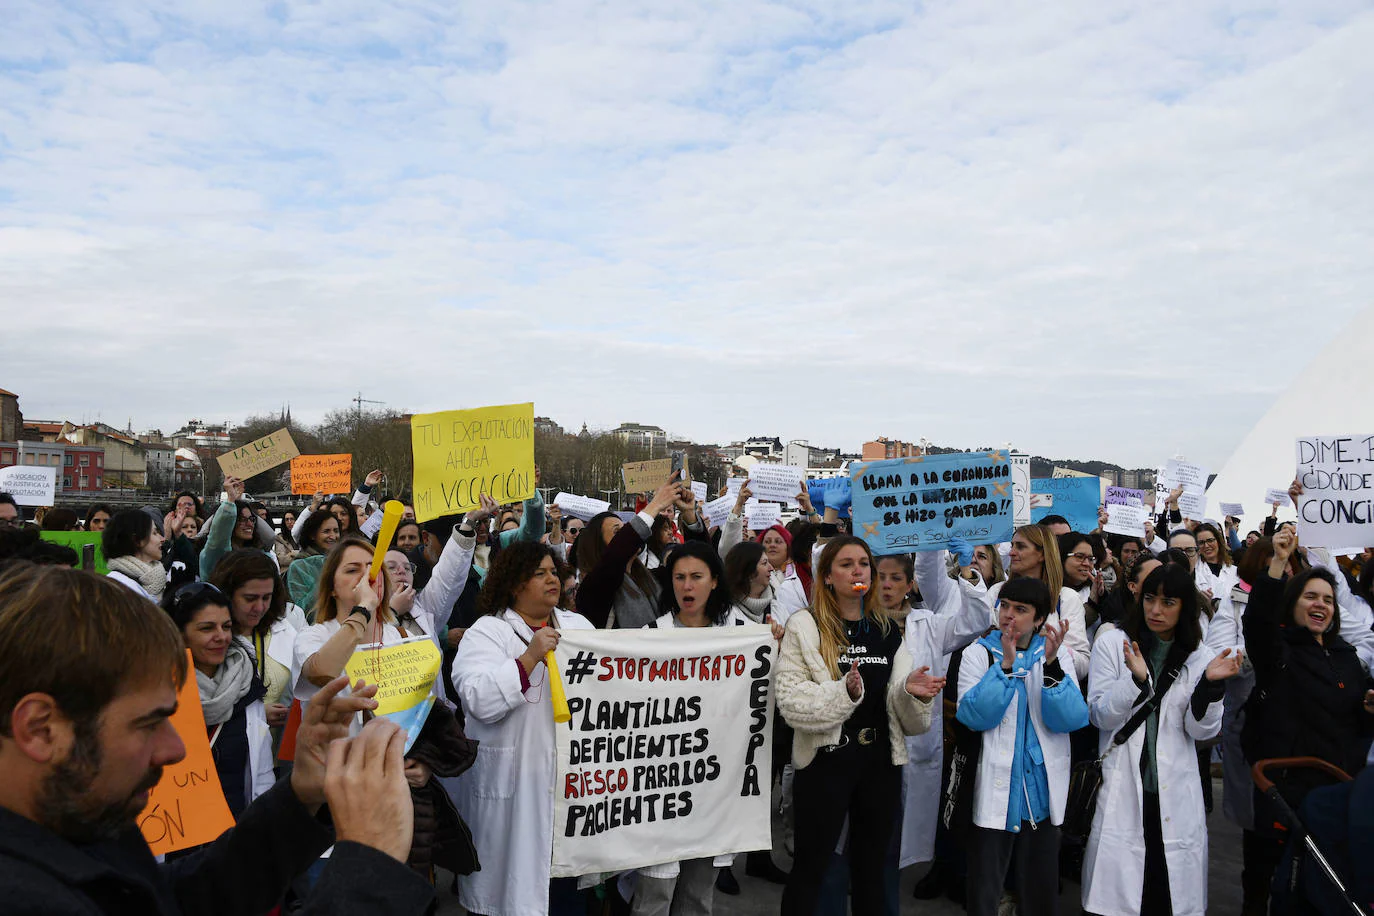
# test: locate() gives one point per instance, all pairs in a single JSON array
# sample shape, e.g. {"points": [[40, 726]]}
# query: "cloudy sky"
{"points": [[1090, 228]]}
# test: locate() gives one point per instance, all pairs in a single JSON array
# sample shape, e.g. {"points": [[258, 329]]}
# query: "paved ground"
{"points": [[758, 897]]}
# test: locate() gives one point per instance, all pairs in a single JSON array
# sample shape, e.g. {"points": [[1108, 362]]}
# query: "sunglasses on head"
{"points": [[194, 591]]}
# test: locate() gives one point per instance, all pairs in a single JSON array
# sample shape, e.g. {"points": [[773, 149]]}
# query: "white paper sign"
{"points": [[1127, 520], [583, 507], [1236, 510], [732, 484], [668, 753], [717, 509], [1193, 505], [776, 482], [1336, 508], [699, 490], [758, 516], [30, 485], [1277, 498], [1191, 477], [1020, 490]]}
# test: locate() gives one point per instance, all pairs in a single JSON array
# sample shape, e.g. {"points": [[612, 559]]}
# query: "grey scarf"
{"points": [[218, 694], [757, 608], [151, 576]]}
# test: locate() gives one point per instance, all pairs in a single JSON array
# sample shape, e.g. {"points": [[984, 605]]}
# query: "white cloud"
{"points": [[1104, 230]]}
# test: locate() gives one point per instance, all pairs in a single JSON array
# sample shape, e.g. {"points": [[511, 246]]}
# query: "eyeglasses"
{"points": [[1080, 557], [1210, 542], [573, 529], [395, 568], [1188, 551], [15, 522]]}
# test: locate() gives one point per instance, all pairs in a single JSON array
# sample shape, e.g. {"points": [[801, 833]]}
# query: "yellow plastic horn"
{"points": [[561, 713], [391, 517]]}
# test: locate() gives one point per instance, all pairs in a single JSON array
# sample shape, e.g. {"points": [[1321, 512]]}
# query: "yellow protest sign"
{"points": [[404, 673], [187, 807], [460, 454], [259, 455], [330, 473]]}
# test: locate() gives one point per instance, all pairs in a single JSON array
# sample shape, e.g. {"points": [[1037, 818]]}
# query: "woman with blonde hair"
{"points": [[1035, 553], [351, 611], [845, 684]]}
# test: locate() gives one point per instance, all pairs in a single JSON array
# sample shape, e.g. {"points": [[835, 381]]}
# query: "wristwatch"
{"points": [[359, 609]]}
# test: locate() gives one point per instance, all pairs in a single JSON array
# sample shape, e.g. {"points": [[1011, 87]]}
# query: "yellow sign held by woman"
{"points": [[404, 673], [461, 454]]}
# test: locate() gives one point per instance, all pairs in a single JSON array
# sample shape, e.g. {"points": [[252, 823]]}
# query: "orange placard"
{"points": [[187, 808], [330, 473]]}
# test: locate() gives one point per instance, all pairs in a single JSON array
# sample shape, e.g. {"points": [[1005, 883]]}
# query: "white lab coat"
{"points": [[1114, 862], [1071, 610], [953, 615], [507, 796], [260, 776]]}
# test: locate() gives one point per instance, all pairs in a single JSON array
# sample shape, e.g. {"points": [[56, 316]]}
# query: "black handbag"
{"points": [[1086, 779]]}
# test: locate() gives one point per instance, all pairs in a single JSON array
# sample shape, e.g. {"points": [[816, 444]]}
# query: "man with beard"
{"points": [[88, 683]]}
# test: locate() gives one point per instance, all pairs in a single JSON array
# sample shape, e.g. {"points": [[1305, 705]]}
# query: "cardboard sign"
{"points": [[904, 505], [328, 473], [404, 673], [583, 507], [668, 751], [187, 807], [259, 455], [30, 485], [1061, 473], [1126, 519], [1075, 498], [776, 482], [1336, 508], [1020, 488], [1235, 510], [85, 543], [460, 454], [646, 476], [1277, 497]]}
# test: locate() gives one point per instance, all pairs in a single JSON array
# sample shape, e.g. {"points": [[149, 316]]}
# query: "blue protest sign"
{"points": [[1075, 498], [911, 504]]}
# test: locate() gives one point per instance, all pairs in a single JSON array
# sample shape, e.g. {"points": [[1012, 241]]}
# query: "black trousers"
{"points": [[1033, 858], [1155, 899], [858, 781]]}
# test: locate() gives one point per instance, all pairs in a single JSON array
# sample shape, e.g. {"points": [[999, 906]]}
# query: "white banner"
{"points": [[29, 485], [776, 482], [583, 507], [1020, 490], [1336, 508], [668, 753]]}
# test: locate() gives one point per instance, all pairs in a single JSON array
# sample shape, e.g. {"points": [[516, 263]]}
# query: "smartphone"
{"points": [[88, 557], [680, 466]]}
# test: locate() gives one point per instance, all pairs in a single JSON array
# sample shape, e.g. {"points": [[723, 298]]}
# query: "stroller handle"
{"points": [[1264, 783]]}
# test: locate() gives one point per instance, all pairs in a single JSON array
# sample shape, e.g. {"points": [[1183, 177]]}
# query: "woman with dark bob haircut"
{"points": [[499, 676], [133, 552]]}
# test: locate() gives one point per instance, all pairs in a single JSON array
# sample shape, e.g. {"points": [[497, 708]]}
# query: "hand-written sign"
{"points": [[404, 673], [667, 753], [87, 544], [29, 485], [1020, 488], [1074, 498], [646, 476], [259, 455], [329, 473], [1122, 496], [1336, 508], [776, 482], [910, 504], [461, 454], [187, 807]]}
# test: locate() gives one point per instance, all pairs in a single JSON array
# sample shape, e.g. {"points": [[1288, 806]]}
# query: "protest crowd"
{"points": [[377, 707]]}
